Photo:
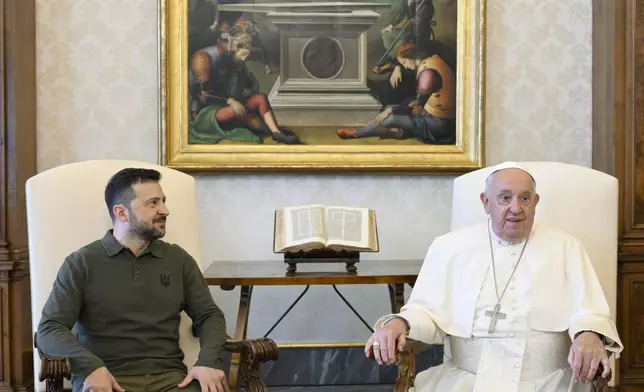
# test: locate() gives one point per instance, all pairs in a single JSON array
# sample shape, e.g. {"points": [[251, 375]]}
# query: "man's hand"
{"points": [[396, 76], [239, 109], [212, 380], [382, 116], [386, 341], [101, 380], [388, 29], [586, 353], [203, 96]]}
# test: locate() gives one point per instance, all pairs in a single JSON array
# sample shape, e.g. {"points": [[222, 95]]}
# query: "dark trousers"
{"points": [[162, 382]]}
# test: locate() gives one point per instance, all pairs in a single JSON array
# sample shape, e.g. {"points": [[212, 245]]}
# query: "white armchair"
{"points": [[576, 199], [66, 210]]}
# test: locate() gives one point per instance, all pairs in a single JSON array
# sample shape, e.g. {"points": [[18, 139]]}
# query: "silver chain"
{"points": [[496, 289]]}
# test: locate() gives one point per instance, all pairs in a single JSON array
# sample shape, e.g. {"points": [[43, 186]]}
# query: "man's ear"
{"points": [[486, 202], [120, 212]]}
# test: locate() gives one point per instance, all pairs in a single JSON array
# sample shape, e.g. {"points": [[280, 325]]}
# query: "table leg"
{"points": [[240, 333], [396, 296]]}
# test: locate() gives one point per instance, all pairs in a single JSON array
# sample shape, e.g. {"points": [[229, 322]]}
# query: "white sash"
{"points": [[501, 363]]}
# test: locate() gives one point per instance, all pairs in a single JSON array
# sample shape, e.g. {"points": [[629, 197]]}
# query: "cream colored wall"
{"points": [[97, 98]]}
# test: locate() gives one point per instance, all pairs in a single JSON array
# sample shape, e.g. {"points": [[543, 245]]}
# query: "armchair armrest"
{"points": [[252, 353], [54, 370], [407, 368]]}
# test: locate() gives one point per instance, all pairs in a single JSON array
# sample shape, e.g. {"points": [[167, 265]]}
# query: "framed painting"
{"points": [[325, 86]]}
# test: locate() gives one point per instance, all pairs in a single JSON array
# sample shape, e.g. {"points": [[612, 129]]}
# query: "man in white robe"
{"points": [[519, 301]]}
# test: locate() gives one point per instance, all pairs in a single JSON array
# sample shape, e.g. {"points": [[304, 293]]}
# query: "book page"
{"points": [[278, 235], [304, 224], [348, 226], [374, 244]]}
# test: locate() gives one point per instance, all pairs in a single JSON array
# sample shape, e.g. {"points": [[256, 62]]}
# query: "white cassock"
{"points": [[553, 294]]}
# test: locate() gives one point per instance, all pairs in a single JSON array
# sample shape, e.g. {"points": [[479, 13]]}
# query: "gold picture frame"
{"points": [[466, 154]]}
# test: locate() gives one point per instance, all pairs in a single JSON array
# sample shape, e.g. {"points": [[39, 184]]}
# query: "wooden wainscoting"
{"points": [[628, 142], [17, 164], [631, 311]]}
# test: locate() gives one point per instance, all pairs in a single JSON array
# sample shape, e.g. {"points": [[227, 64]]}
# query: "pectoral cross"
{"points": [[494, 315]]}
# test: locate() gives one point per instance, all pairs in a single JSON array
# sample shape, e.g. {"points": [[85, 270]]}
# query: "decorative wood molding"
{"points": [[619, 105], [14, 255], [17, 164], [603, 154], [629, 121], [628, 143], [632, 327]]}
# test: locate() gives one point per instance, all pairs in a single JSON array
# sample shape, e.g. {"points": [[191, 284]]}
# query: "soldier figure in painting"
{"points": [[429, 116], [226, 102], [412, 22]]}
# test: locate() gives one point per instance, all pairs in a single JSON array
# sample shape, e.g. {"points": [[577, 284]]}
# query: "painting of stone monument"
{"points": [[316, 85]]}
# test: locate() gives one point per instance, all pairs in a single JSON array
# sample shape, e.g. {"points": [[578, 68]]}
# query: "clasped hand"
{"points": [[586, 353]]}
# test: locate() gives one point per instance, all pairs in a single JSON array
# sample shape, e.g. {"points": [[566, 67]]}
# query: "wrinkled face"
{"points": [[407, 63], [147, 214], [511, 200]]}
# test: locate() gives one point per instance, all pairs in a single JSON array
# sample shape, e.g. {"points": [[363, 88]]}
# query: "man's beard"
{"points": [[140, 230]]}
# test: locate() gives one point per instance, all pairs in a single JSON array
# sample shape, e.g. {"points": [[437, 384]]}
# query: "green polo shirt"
{"points": [[126, 310]]}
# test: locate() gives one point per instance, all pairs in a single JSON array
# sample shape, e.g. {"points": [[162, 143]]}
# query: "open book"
{"points": [[318, 227]]}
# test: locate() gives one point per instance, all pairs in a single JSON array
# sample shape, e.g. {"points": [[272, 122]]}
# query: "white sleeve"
{"points": [[588, 305], [418, 311]]}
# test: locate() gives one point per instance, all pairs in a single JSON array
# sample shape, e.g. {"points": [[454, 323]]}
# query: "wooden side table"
{"points": [[247, 274]]}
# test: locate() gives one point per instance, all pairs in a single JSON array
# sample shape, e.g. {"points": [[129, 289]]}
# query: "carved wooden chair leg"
{"points": [[53, 372], [406, 371], [54, 385], [253, 353], [599, 384]]}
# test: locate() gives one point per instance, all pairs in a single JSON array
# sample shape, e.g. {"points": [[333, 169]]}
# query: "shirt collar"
{"points": [[113, 247]]}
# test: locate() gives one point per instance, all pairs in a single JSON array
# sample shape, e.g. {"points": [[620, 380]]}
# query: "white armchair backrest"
{"points": [[66, 210], [576, 199]]}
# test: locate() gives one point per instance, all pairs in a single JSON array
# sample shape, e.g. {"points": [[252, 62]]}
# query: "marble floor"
{"points": [[338, 388]]}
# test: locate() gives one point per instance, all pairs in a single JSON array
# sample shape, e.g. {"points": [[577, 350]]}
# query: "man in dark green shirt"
{"points": [[124, 293]]}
